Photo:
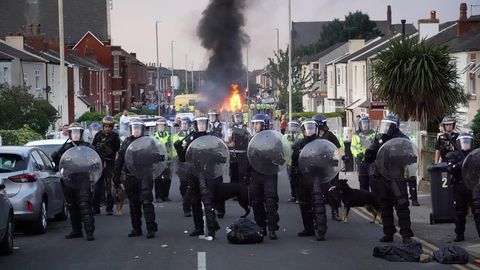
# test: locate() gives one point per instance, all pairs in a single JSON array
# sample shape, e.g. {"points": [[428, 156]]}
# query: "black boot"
{"points": [[264, 232], [459, 238], [407, 240], [335, 215], [187, 214], [90, 237], [320, 236], [74, 235], [305, 233], [386, 239], [415, 203], [211, 234], [150, 234], [135, 232], [272, 235], [220, 214], [196, 232]]}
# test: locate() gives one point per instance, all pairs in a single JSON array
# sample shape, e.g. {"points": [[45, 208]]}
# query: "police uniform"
{"points": [[365, 170], [292, 138], [238, 154], [182, 169], [163, 182]]}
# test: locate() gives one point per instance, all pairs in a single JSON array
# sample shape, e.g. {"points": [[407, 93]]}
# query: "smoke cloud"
{"points": [[221, 31]]}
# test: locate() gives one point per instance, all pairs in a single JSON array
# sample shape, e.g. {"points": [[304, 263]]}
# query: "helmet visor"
{"points": [[465, 143], [309, 129], [293, 127], [238, 118], [75, 135], [364, 125], [202, 125], [386, 126], [161, 127], [137, 130]]}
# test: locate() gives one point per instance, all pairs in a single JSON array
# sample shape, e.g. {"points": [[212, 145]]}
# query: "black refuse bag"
{"points": [[406, 253], [244, 231], [451, 255]]}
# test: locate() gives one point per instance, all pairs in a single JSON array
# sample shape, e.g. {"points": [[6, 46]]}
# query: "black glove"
{"points": [[178, 144], [345, 158]]}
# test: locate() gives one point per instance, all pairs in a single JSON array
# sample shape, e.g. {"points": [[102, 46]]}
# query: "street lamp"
{"points": [[171, 79], [158, 69], [290, 60], [278, 37]]}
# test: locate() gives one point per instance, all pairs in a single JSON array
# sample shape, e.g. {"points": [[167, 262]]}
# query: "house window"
{"points": [[315, 66], [331, 78], [25, 79], [37, 79], [473, 87], [364, 74], [116, 66], [338, 76], [52, 87], [5, 74], [355, 78]]}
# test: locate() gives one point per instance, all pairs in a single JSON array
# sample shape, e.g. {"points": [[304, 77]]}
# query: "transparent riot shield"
{"points": [[471, 169], [412, 130], [268, 152], [335, 126], [208, 157], [145, 158], [80, 167], [319, 160], [397, 159]]}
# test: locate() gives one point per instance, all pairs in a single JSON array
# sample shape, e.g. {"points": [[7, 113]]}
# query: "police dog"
{"points": [[354, 198], [226, 191], [119, 196]]}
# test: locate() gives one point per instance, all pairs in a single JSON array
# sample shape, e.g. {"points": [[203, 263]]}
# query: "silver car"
{"points": [[33, 187], [48, 146], [7, 224]]}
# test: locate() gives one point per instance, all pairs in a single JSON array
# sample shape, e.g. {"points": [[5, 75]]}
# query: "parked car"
{"points": [[7, 224], [32, 185], [48, 146]]}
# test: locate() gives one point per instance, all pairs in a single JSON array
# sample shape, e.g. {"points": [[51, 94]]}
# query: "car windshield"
{"points": [[11, 163], [48, 148]]}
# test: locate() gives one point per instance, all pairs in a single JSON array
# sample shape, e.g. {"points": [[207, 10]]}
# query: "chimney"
{"points": [[463, 12], [462, 20], [428, 28], [30, 29], [15, 41], [403, 27], [389, 20], [39, 29]]}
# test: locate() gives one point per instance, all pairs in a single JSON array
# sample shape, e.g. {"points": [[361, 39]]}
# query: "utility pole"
{"points": [[289, 60], [171, 79], [278, 39], [61, 48], [186, 73], [248, 83], [192, 77], [158, 70]]}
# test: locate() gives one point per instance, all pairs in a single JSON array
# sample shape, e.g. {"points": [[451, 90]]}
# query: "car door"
{"points": [[43, 178], [57, 198], [4, 209]]}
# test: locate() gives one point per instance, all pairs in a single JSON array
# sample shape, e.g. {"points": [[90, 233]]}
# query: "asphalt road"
{"points": [[348, 246]]}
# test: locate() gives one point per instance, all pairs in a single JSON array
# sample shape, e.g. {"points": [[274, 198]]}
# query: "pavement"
{"points": [[348, 246]]}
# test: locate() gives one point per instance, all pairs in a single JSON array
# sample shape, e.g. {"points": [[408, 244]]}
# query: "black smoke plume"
{"points": [[222, 34]]}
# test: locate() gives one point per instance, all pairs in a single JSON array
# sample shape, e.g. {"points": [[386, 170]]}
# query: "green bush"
{"points": [[91, 117], [20, 136], [476, 128]]}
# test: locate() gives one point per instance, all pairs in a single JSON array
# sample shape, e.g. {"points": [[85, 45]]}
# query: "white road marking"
{"points": [[202, 260]]}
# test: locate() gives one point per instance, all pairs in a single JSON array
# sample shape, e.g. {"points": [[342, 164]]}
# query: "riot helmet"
{"points": [[309, 128], [260, 122], [161, 124], [185, 123], [465, 142], [293, 126], [364, 124], [75, 132], [321, 121], [108, 121], [448, 123], [389, 125], [213, 116], [237, 118], [137, 127], [200, 123]]}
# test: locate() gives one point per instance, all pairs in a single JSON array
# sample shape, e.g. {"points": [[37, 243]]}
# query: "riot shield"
{"points": [[319, 160], [268, 151], [412, 130], [471, 169], [80, 167], [208, 156], [145, 158], [397, 159], [335, 126]]}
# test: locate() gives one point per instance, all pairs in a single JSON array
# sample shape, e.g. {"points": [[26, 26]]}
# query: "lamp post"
{"points": [[171, 79], [158, 69], [278, 38], [289, 60]]}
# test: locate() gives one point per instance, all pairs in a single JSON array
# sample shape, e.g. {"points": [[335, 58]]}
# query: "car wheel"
{"points": [[62, 215], [6, 245], [40, 225]]}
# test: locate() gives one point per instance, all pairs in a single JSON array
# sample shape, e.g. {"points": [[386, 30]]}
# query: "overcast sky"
{"points": [[133, 23]]}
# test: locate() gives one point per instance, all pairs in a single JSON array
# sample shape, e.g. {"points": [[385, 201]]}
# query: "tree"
{"points": [[18, 108], [356, 25], [476, 128], [418, 80], [302, 81]]}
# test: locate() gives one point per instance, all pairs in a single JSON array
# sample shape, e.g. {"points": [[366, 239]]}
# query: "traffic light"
{"points": [[169, 96]]}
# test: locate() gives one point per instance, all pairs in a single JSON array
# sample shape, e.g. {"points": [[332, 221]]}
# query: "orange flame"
{"points": [[234, 102]]}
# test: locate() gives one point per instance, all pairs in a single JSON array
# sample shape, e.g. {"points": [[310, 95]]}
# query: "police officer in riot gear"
{"points": [[78, 200], [363, 136], [263, 190], [195, 191], [463, 195], [238, 143], [140, 195], [292, 134], [311, 210], [107, 144], [446, 142], [216, 127], [162, 183], [325, 133], [390, 193], [182, 168]]}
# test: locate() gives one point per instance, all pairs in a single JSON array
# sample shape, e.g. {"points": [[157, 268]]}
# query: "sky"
{"points": [[133, 24]]}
